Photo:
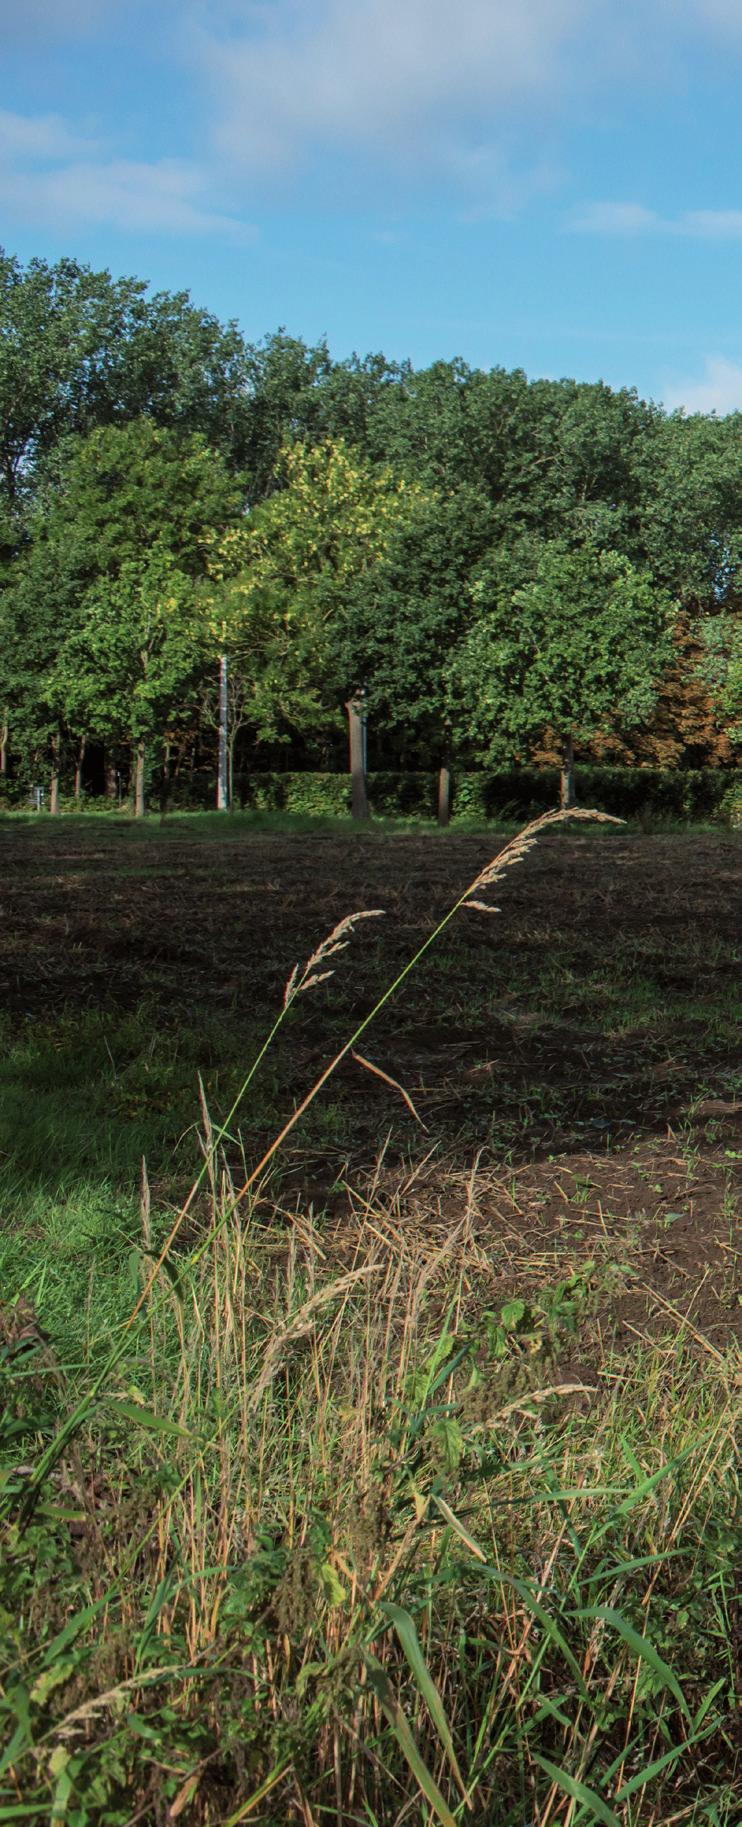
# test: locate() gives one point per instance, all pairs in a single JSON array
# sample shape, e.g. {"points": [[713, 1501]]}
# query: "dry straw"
{"points": [[513, 852]]}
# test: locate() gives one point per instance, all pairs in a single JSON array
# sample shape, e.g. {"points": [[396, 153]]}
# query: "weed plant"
{"points": [[326, 1537]]}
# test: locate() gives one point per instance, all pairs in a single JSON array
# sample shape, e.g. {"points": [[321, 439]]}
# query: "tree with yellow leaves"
{"points": [[281, 582]]}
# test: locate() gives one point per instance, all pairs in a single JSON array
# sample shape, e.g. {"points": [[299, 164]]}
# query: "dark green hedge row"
{"points": [[708, 793], [651, 794]]}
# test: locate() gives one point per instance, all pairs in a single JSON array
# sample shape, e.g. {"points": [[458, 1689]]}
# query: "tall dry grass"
{"points": [[329, 1539], [351, 1560]]}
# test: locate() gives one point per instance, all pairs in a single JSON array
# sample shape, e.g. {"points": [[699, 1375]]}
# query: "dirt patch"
{"points": [[641, 1245], [580, 1042]]}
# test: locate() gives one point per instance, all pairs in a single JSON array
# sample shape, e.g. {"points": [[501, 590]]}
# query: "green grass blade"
{"points": [[23, 1811], [456, 1524], [710, 1697], [668, 1759], [399, 1723], [642, 1646], [258, 1795], [547, 1623], [649, 1484], [405, 1628], [524, 1591], [146, 1417], [72, 1627], [578, 1791]]}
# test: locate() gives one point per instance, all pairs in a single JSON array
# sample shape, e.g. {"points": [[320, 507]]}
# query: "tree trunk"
{"points": [[165, 779], [359, 800], [54, 779], [444, 794], [4, 744], [230, 770], [567, 781], [78, 769], [111, 779], [222, 783], [139, 780]]}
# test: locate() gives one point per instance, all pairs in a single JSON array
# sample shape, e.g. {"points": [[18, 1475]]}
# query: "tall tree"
{"points": [[691, 509], [575, 647], [283, 582], [131, 667], [126, 527], [79, 349], [404, 618], [37, 615], [721, 667]]}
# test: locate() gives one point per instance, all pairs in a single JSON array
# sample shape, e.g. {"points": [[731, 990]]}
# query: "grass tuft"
{"points": [[364, 1516]]}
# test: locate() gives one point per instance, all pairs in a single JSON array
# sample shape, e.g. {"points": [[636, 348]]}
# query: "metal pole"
{"points": [[222, 786]]}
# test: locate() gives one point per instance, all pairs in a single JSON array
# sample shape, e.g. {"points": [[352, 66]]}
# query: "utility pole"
{"points": [[222, 785]]}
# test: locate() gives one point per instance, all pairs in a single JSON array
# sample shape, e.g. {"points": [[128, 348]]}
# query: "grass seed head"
{"points": [[519, 846], [335, 941]]}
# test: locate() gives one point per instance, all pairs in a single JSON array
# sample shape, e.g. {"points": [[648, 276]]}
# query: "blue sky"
{"points": [[554, 185]]}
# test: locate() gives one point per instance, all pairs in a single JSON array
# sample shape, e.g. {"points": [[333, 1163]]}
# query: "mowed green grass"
{"points": [[350, 1530]]}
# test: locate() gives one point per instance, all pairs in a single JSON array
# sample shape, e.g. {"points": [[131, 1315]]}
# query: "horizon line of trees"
{"points": [[212, 550]]}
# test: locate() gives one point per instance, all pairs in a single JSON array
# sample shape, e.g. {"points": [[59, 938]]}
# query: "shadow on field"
{"points": [[581, 1044], [597, 1005]]}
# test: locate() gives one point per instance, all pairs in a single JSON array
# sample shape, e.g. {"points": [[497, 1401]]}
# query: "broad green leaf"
{"points": [[512, 1314]]}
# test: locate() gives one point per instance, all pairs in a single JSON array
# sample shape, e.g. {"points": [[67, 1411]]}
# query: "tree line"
{"points": [[214, 553]]}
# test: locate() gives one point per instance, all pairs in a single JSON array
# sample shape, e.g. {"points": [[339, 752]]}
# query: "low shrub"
{"points": [[690, 794], [652, 795]]}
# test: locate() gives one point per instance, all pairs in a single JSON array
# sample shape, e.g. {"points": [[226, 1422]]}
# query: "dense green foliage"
{"points": [[508, 568], [652, 796]]}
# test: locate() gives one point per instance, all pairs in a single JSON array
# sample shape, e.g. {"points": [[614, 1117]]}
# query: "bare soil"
{"points": [[579, 1045]]}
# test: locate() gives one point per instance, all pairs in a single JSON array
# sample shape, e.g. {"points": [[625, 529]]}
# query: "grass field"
{"points": [[404, 1487]]}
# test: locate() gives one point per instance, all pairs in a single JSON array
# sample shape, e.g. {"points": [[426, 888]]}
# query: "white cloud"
{"points": [[40, 136], [419, 85], [166, 196], [468, 93], [613, 219], [636, 219], [51, 175], [719, 390], [712, 224]]}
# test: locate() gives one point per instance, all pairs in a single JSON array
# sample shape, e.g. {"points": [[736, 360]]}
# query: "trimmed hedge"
{"points": [[652, 794], [696, 794]]}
